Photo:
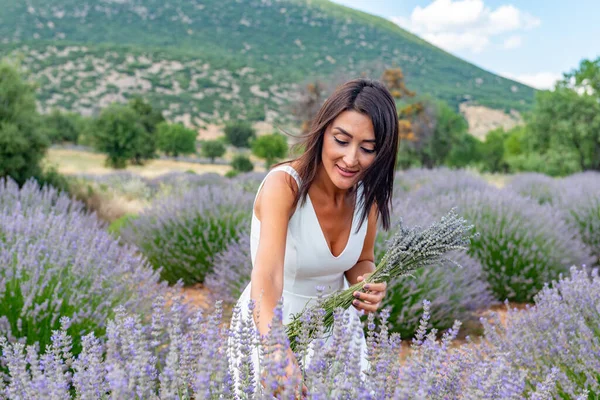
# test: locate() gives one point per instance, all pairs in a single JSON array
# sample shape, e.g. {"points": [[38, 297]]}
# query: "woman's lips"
{"points": [[344, 173]]}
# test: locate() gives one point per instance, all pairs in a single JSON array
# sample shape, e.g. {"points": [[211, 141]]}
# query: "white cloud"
{"points": [[513, 42], [539, 80], [465, 24]]}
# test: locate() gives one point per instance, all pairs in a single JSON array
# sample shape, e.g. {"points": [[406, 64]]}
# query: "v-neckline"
{"points": [[323, 233]]}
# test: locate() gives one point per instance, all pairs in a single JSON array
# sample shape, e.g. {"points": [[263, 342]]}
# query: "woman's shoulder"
{"points": [[278, 193]]}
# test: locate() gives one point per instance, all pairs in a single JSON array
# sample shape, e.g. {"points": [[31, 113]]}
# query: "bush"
{"points": [[521, 245], [182, 232], [212, 149], [231, 271], [270, 147], [539, 187], [239, 133], [559, 333], [22, 145], [580, 200], [242, 163], [173, 183], [57, 260], [175, 139]]}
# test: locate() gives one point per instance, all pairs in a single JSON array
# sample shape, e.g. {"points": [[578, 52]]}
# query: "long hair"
{"points": [[371, 98]]}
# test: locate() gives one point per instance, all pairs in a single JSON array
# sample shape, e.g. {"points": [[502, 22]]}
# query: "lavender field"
{"points": [[92, 310]]}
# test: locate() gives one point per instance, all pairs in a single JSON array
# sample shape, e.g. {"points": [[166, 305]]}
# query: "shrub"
{"points": [[239, 133], [182, 232], [241, 163], [231, 272], [57, 260], [270, 147], [232, 173], [559, 332], [212, 149], [521, 244], [539, 187], [175, 139], [172, 183], [580, 200]]}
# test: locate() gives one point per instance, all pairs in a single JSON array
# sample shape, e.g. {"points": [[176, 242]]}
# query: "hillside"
{"points": [[215, 59]]}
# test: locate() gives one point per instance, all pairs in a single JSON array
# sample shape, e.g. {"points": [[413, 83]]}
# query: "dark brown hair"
{"points": [[371, 98]]}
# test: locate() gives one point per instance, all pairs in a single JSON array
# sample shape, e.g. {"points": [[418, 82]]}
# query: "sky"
{"points": [[533, 41]]}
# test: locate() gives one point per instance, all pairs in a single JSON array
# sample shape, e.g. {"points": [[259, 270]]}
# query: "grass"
{"points": [[72, 162]]}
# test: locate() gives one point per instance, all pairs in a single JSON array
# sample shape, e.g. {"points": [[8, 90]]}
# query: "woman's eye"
{"points": [[368, 151], [339, 141]]}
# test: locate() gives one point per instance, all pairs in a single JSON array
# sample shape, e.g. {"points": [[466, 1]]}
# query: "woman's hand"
{"points": [[292, 370], [370, 301]]}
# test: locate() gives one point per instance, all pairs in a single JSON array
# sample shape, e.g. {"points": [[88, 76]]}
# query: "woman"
{"points": [[315, 218]]}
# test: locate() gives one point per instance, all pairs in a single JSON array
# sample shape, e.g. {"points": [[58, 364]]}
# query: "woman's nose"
{"points": [[350, 158]]}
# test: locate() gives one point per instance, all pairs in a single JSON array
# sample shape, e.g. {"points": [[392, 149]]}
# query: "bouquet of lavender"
{"points": [[408, 250]]}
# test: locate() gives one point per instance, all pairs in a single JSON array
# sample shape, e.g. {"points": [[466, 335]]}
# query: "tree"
{"points": [[149, 118], [270, 147], [22, 145], [62, 127], [175, 139], [212, 149], [242, 163], [118, 133], [492, 151], [564, 120], [433, 129], [239, 133]]}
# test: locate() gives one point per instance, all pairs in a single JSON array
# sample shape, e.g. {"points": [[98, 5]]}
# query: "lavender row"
{"points": [[544, 352]]}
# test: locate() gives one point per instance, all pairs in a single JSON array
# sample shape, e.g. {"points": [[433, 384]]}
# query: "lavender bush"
{"points": [[561, 331], [434, 182], [231, 272], [539, 187], [174, 183], [521, 244], [57, 260], [182, 233], [580, 201]]}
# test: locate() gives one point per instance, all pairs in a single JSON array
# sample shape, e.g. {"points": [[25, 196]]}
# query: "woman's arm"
{"points": [[369, 300], [275, 202], [366, 261]]}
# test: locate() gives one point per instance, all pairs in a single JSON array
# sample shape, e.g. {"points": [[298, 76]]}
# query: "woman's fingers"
{"points": [[367, 307], [370, 297]]}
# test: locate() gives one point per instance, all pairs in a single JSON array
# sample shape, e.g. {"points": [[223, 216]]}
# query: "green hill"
{"points": [[216, 59]]}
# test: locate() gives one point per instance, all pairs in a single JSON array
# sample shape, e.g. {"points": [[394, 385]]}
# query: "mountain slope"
{"points": [[239, 56]]}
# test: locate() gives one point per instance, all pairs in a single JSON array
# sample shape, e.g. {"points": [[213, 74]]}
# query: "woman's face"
{"points": [[348, 148]]}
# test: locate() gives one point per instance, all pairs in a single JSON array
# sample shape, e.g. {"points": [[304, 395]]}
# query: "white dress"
{"points": [[308, 263]]}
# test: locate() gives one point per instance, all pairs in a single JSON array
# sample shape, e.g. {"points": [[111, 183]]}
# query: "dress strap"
{"points": [[286, 168]]}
